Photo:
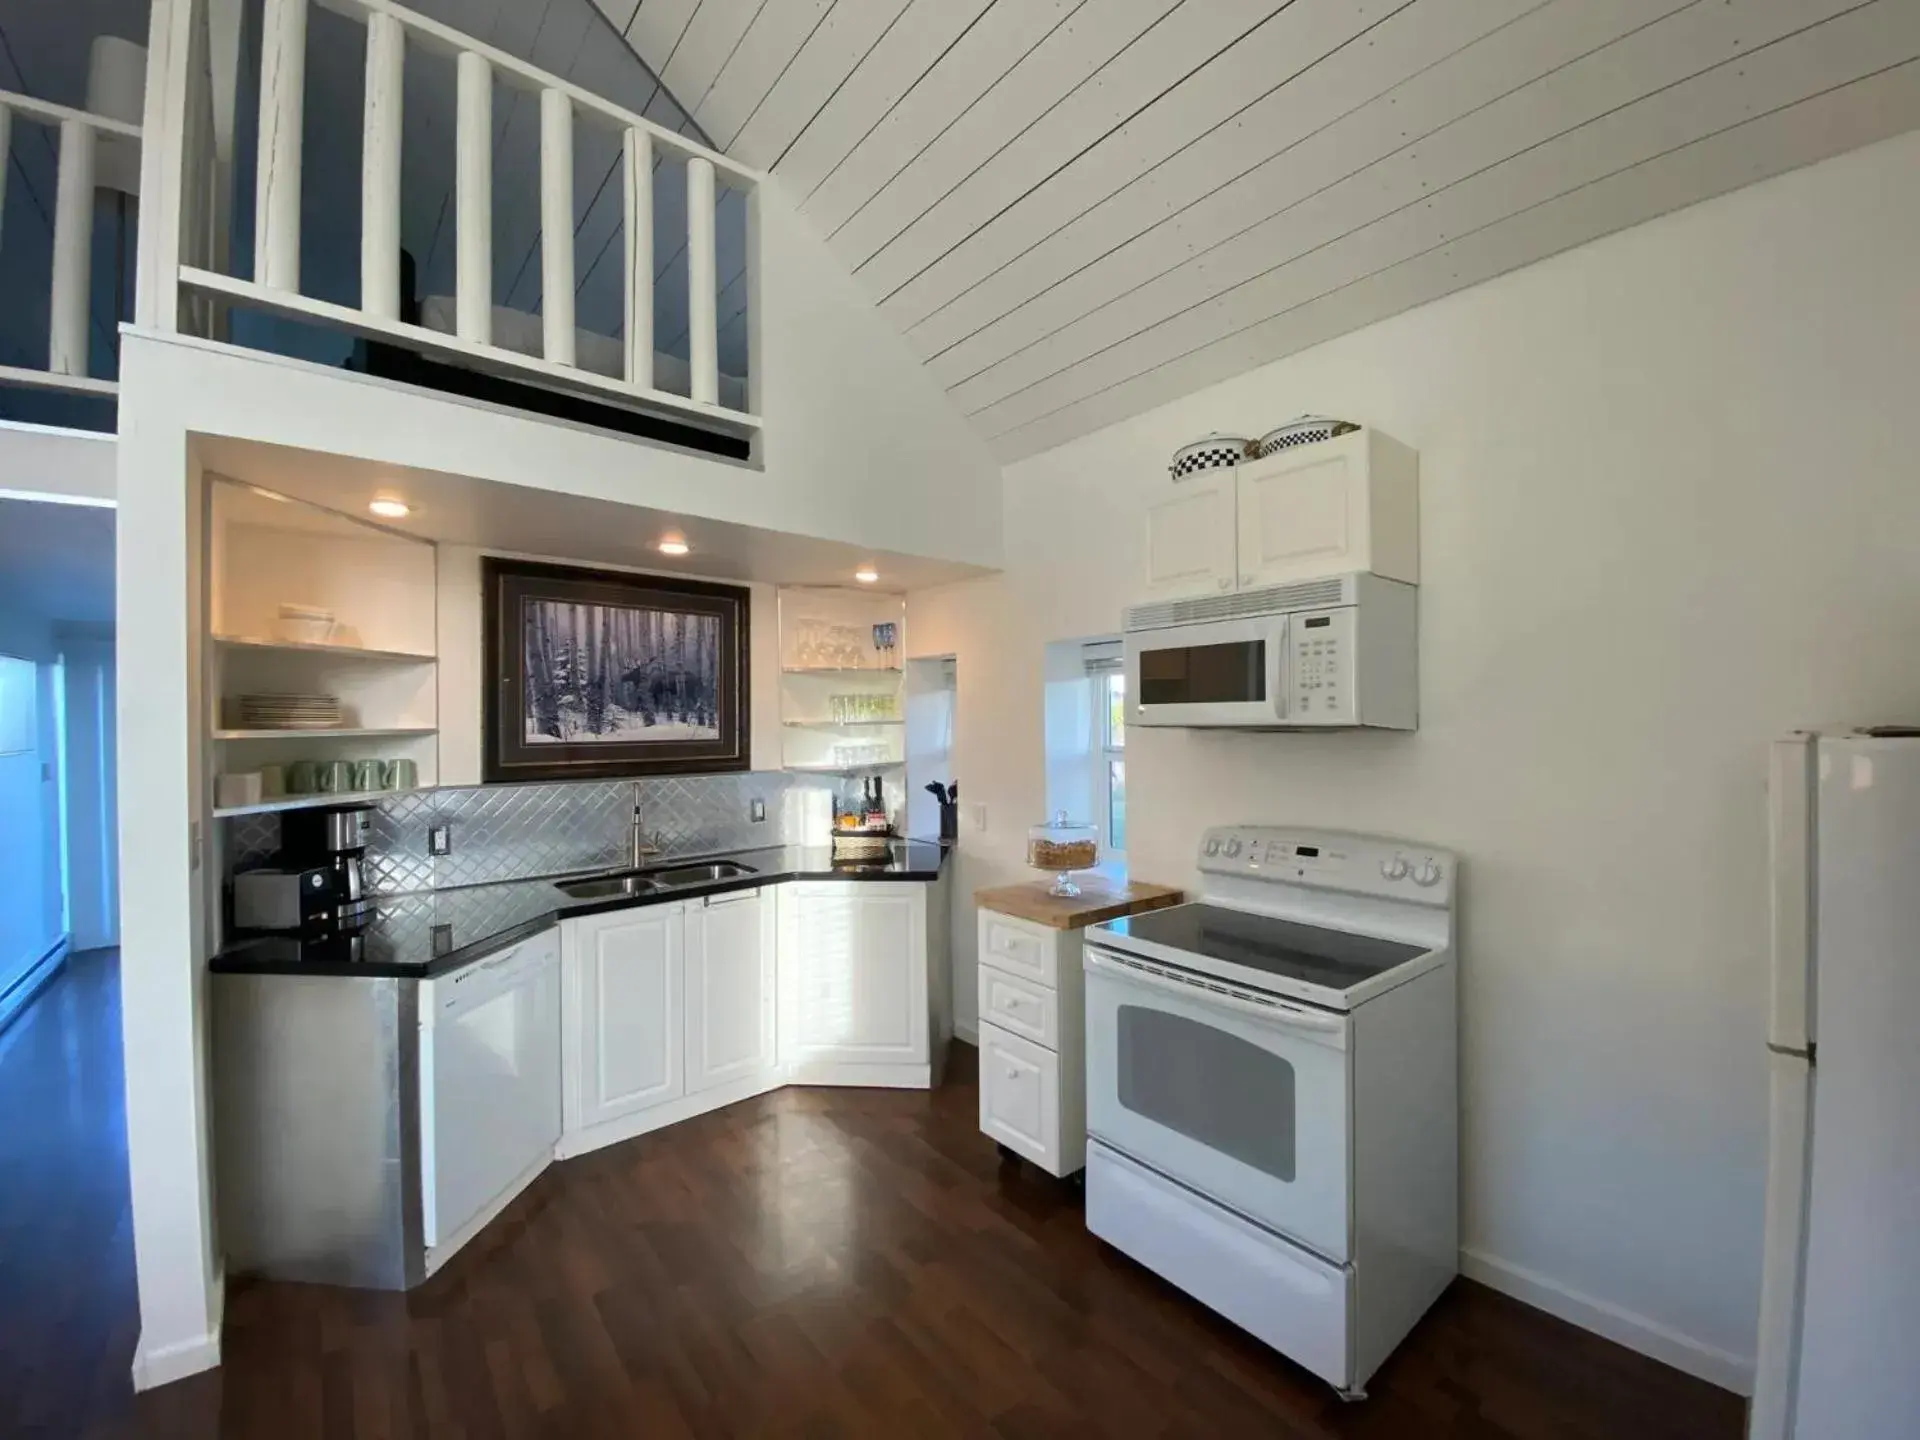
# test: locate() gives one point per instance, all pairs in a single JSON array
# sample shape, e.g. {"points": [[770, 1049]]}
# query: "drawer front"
{"points": [[1025, 1007], [1020, 1096], [1020, 947]]}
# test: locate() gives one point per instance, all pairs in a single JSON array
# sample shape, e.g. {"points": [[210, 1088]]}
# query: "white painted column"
{"points": [[72, 250], [703, 321], [380, 167], [556, 225], [637, 229], [6, 140], [276, 204], [473, 185]]}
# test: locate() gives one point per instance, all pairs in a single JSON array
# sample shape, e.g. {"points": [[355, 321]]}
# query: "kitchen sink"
{"points": [[608, 887], [699, 874]]}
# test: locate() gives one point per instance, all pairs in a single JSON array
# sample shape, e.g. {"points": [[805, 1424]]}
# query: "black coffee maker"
{"points": [[336, 839]]}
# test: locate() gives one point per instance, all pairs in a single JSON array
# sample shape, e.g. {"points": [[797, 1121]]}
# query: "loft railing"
{"points": [[70, 294], [179, 257]]}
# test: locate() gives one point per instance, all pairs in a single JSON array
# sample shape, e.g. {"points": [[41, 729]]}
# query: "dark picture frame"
{"points": [[601, 673]]}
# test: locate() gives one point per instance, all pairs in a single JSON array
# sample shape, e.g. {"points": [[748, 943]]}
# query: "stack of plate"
{"points": [[287, 712]]}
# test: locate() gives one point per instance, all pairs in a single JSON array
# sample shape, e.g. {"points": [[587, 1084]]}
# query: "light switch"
{"points": [[757, 810], [979, 817]]}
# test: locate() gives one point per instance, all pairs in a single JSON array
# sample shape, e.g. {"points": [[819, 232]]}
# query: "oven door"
{"points": [[1239, 1095], [1226, 672]]}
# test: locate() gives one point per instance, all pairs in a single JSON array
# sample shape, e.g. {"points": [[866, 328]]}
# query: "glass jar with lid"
{"points": [[1062, 846]]}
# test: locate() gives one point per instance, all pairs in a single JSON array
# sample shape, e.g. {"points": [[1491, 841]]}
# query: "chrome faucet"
{"points": [[642, 847]]}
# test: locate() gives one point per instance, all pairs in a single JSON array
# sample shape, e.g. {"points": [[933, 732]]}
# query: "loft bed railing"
{"points": [[70, 297], [183, 282]]}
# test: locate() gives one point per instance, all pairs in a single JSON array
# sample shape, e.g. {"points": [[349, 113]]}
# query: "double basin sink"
{"points": [[653, 882]]}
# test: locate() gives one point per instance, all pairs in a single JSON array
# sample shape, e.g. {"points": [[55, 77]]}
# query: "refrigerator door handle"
{"points": [[1790, 791]]}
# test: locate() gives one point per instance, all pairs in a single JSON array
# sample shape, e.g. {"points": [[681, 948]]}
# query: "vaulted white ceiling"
{"points": [[1076, 209]]}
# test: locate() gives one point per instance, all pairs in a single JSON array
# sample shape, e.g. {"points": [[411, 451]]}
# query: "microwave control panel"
{"points": [[1320, 667]]}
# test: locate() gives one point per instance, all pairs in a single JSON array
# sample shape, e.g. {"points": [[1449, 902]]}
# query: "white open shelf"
{"points": [[340, 652], [310, 802], [350, 732]]}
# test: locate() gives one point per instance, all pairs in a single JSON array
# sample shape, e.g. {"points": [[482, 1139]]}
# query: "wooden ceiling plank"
{"points": [[1190, 41], [1043, 79], [1812, 62], [1866, 111], [657, 28], [764, 54], [832, 53], [711, 36], [965, 71], [909, 49], [1306, 135], [1300, 36], [1306, 211]]}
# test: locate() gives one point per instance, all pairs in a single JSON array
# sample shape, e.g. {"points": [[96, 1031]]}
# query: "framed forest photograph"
{"points": [[595, 673]]}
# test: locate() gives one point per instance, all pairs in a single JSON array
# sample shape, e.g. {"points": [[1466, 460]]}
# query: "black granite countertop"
{"points": [[429, 933]]}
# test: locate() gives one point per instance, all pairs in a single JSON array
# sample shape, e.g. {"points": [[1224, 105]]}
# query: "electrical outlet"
{"points": [[757, 810], [979, 817], [440, 840]]}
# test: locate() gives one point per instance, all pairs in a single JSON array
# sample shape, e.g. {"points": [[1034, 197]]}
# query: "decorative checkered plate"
{"points": [[1307, 430], [1209, 453]]}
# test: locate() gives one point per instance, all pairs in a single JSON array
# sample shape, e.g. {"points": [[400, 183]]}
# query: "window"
{"points": [[1112, 689]]}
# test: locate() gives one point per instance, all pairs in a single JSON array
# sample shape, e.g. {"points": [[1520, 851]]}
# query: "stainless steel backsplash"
{"points": [[518, 832]]}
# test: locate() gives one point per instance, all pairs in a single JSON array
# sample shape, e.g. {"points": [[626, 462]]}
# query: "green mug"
{"points": [[402, 775], [303, 778], [368, 775], [336, 777]]}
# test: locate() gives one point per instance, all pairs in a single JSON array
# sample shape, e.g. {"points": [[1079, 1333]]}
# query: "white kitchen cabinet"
{"points": [[1033, 1085], [1190, 538], [730, 989], [853, 982], [1336, 506], [622, 1007], [1347, 504]]}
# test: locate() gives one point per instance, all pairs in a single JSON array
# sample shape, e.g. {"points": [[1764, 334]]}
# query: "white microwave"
{"points": [[1339, 653]]}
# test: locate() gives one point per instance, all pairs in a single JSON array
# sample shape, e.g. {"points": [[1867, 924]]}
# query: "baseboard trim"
{"points": [[969, 1033], [154, 1368], [1623, 1327], [35, 979]]}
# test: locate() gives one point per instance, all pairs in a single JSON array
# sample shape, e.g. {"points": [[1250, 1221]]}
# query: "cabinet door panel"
{"points": [[1020, 1096], [1189, 541], [729, 992], [853, 967], [1302, 513], [629, 990]]}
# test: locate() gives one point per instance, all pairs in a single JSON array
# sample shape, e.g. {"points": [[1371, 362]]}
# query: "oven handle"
{"points": [[1279, 1014]]}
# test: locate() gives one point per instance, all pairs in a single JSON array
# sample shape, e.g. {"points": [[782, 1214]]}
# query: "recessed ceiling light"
{"points": [[673, 545], [388, 509], [866, 574]]}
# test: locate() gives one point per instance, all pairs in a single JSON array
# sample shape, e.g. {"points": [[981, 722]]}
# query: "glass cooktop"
{"points": [[1331, 959]]}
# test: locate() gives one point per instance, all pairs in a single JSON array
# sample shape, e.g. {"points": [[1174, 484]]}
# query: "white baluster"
{"points": [[72, 250], [637, 225], [702, 298], [473, 183], [283, 83], [380, 167], [556, 225]]}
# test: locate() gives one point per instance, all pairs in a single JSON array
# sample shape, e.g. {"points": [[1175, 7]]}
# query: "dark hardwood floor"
{"points": [[813, 1263]]}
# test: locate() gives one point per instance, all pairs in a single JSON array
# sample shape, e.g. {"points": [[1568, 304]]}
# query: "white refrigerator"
{"points": [[1839, 1343]]}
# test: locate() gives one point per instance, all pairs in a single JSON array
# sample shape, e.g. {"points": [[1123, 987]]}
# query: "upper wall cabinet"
{"points": [[1345, 504]]}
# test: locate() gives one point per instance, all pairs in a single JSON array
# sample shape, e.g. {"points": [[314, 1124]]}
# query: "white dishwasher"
{"points": [[489, 1088]]}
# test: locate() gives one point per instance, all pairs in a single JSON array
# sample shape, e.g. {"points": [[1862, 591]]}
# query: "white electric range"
{"points": [[1272, 1090]]}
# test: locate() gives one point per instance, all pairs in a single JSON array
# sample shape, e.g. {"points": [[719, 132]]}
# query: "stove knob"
{"points": [[1427, 874], [1394, 869], [1233, 848], [1213, 846]]}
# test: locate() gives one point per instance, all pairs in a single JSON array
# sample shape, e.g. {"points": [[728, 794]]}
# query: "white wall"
{"points": [[47, 460], [92, 824], [1669, 510], [31, 903]]}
